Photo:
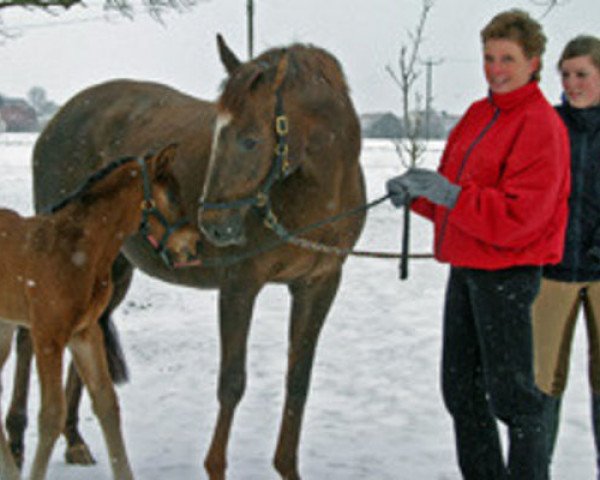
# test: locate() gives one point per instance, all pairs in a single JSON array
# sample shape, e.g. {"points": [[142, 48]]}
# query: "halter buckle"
{"points": [[281, 149], [261, 199], [281, 124], [148, 204], [270, 220]]}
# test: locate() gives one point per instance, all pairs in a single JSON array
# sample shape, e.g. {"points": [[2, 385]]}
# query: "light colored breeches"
{"points": [[555, 314]]}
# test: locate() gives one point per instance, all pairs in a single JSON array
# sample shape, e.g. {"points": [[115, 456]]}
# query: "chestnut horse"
{"points": [[56, 282], [293, 100]]}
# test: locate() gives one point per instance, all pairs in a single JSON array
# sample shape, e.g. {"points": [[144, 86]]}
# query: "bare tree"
{"points": [[411, 148], [548, 5], [125, 7]]}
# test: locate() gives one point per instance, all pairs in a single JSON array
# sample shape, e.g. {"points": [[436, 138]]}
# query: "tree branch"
{"points": [[43, 4], [405, 78]]}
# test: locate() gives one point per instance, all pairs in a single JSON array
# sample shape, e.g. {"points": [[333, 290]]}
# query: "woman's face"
{"points": [[581, 81], [506, 66]]}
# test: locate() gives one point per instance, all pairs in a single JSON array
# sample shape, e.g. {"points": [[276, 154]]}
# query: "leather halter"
{"points": [[280, 167], [149, 209]]}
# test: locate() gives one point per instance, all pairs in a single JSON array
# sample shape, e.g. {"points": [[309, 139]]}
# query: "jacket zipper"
{"points": [[438, 247], [577, 202]]}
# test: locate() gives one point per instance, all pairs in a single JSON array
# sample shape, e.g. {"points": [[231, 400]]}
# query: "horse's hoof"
{"points": [[79, 454]]}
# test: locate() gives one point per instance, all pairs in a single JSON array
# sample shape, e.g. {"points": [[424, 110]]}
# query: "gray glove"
{"points": [[420, 182], [397, 192]]}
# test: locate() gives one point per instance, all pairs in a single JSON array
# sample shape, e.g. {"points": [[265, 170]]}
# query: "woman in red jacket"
{"points": [[499, 206]]}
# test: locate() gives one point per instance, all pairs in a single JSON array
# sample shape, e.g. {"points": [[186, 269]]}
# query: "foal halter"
{"points": [[149, 209], [280, 167]]}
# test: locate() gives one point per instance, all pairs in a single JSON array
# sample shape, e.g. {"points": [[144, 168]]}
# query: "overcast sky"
{"points": [[73, 50]]}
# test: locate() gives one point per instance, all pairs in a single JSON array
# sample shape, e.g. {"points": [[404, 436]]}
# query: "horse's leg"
{"points": [[235, 311], [8, 467], [77, 452], [51, 419], [311, 301], [87, 348], [16, 419]]}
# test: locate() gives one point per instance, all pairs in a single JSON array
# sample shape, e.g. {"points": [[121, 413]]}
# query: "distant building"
{"points": [[388, 125], [17, 115], [380, 125]]}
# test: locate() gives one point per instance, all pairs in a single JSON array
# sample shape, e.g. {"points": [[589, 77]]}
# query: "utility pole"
{"points": [[250, 15], [429, 64]]}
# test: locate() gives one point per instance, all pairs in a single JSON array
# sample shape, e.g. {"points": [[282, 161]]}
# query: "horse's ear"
{"points": [[228, 58], [163, 159]]}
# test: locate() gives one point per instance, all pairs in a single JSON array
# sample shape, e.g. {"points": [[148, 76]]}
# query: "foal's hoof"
{"points": [[79, 454]]}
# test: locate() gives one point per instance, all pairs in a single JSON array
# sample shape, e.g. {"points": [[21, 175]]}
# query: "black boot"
{"points": [[596, 429], [552, 419]]}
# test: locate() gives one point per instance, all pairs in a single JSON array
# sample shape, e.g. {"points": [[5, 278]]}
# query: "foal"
{"points": [[56, 281]]}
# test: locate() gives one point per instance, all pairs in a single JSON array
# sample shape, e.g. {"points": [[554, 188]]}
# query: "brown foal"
{"points": [[56, 281]]}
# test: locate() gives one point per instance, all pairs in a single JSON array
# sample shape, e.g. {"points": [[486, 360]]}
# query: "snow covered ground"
{"points": [[374, 411]]}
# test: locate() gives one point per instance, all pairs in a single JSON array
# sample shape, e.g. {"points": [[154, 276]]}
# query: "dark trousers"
{"points": [[487, 373]]}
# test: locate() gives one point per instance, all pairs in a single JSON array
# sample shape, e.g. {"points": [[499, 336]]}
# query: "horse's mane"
{"points": [[306, 65], [89, 183]]}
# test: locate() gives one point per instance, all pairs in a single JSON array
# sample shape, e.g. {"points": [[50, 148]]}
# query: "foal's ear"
{"points": [[228, 58], [162, 161]]}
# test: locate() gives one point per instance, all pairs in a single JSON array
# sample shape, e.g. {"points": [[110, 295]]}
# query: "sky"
{"points": [[70, 51]]}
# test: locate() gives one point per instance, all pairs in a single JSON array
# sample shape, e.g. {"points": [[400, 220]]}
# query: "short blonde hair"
{"points": [[518, 26]]}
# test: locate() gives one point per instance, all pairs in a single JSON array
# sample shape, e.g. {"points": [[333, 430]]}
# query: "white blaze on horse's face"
{"points": [[223, 119]]}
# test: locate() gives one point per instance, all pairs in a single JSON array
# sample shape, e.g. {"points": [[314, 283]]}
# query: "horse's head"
{"points": [[164, 221], [278, 115], [250, 146]]}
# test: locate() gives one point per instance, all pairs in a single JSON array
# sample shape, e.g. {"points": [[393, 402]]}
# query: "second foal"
{"points": [[55, 272]]}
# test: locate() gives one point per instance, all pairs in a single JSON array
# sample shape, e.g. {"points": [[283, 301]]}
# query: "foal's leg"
{"points": [[77, 452], [310, 305], [16, 419], [8, 467], [51, 419], [87, 348], [235, 311]]}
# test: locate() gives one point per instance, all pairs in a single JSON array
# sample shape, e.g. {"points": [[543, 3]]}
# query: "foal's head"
{"points": [[164, 221]]}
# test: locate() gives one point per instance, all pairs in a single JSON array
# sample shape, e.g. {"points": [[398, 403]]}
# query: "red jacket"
{"points": [[510, 154]]}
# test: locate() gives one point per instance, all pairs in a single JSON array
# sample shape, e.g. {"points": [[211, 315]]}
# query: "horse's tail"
{"points": [[117, 364]]}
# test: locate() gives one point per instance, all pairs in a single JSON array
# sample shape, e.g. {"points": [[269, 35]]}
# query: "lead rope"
{"points": [[293, 238]]}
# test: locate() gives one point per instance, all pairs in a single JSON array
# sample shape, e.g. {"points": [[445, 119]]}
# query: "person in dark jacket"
{"points": [[499, 207], [575, 282]]}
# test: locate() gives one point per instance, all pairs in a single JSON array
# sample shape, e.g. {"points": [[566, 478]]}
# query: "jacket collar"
{"points": [[585, 119], [510, 100]]}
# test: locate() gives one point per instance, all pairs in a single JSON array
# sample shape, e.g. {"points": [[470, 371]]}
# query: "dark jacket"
{"points": [[581, 259]]}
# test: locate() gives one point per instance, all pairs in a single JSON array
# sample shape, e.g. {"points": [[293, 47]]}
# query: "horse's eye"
{"points": [[248, 143], [172, 197]]}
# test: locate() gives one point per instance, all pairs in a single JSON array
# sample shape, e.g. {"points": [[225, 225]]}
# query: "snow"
{"points": [[374, 411]]}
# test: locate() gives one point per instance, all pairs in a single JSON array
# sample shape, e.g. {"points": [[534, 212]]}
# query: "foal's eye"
{"points": [[248, 143]]}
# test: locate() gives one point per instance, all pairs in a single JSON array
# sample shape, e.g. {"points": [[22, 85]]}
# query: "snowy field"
{"points": [[374, 412]]}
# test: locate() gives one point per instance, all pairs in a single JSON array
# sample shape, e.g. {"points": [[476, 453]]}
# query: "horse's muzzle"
{"points": [[221, 228]]}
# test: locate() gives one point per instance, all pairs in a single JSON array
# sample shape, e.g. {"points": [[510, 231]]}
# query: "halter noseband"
{"points": [[149, 209]]}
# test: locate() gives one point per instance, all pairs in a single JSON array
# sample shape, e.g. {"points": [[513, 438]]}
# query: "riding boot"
{"points": [[552, 418], [596, 429]]}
